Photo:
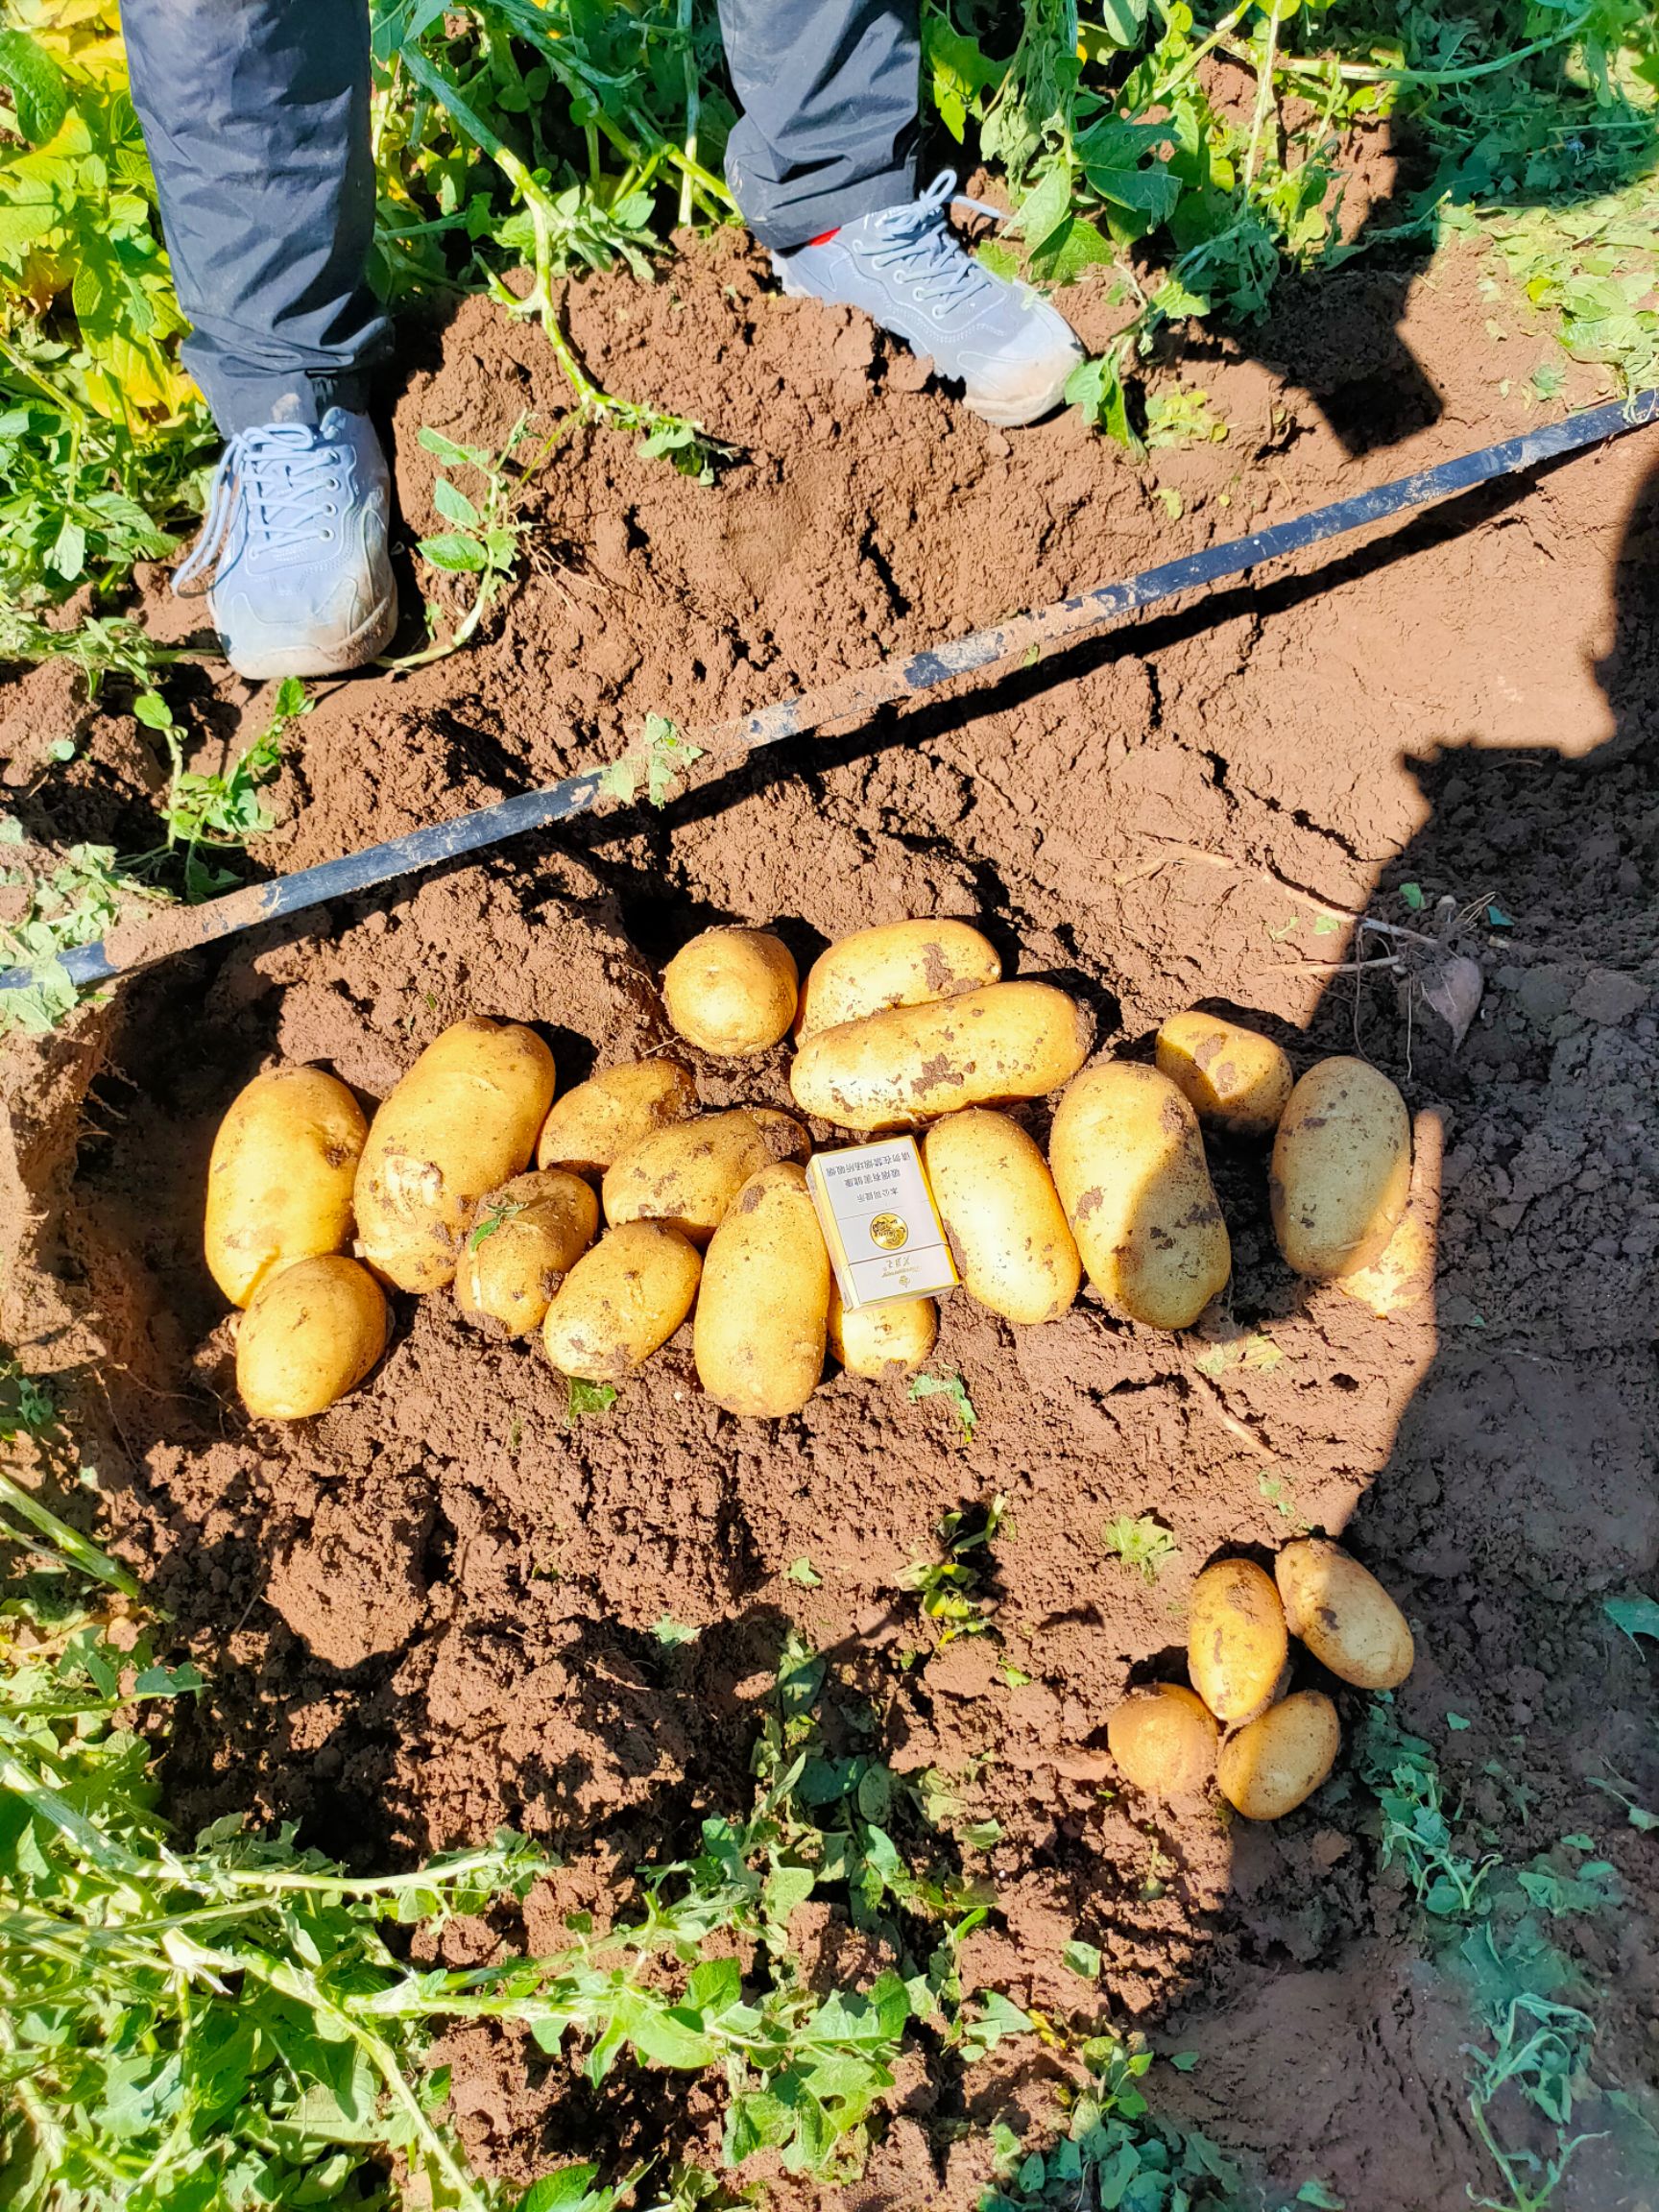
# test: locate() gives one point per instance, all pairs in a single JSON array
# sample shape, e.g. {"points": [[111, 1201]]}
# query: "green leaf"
{"points": [[153, 710], [1634, 1614], [1095, 388], [1123, 20], [1083, 1958], [1456, 1722], [1326, 2200], [982, 1835], [566, 2190], [454, 553], [584, 1397], [673, 1633], [454, 506], [1184, 2061], [38, 93], [803, 1574], [1412, 895]]}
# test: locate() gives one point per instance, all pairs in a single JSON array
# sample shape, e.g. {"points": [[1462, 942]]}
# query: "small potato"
{"points": [[1129, 1166], [1234, 1080], [732, 991], [310, 1333], [1236, 1639], [764, 1311], [525, 1238], [896, 964], [1163, 1737], [880, 1343], [1402, 1275], [914, 1063], [1343, 1614], [1342, 1168], [689, 1174], [279, 1179], [1273, 1765], [621, 1300], [460, 1122], [594, 1125], [998, 1202]]}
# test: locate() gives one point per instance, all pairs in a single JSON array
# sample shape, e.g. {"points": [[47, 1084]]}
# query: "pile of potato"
{"points": [[1267, 1751]]}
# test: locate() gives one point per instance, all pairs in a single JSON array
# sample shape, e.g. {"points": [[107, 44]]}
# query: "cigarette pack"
{"points": [[885, 1237]]}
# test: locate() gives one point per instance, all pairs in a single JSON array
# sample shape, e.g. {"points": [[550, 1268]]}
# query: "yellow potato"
{"points": [[764, 1308], [1129, 1166], [882, 1342], [998, 1205], [1163, 1737], [594, 1125], [689, 1174], [913, 1063], [1270, 1766], [895, 964], [525, 1240], [1343, 1614], [461, 1121], [1234, 1080], [1342, 1168], [310, 1333], [621, 1300], [279, 1179], [1236, 1639], [1403, 1273], [732, 991]]}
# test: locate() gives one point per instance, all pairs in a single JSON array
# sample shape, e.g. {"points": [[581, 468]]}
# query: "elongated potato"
{"points": [[764, 1306], [880, 1343], [279, 1179], [310, 1333], [1343, 1614], [1402, 1276], [525, 1240], [1163, 1737], [594, 1126], [732, 991], [462, 1122], [1233, 1079], [689, 1174], [1129, 1166], [1274, 1764], [914, 1063], [895, 964], [621, 1300], [998, 1202], [1236, 1638], [1342, 1168]]}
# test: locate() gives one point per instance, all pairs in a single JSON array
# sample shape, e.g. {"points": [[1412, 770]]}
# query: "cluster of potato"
{"points": [[1268, 1752]]}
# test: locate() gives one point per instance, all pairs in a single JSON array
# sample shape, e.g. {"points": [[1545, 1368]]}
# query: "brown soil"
{"points": [[431, 1611]]}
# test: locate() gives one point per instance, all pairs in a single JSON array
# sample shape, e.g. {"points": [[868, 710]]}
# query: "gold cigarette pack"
{"points": [[885, 1237]]}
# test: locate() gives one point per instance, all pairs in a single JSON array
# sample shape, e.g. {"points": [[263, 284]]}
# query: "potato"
{"points": [[998, 1202], [1163, 1737], [1234, 1080], [460, 1122], [732, 991], [689, 1174], [882, 1342], [525, 1240], [1269, 1767], [1403, 1273], [310, 1333], [895, 964], [1342, 1168], [913, 1063], [1129, 1165], [621, 1300], [764, 1306], [279, 1179], [1343, 1614], [594, 1125], [1236, 1639]]}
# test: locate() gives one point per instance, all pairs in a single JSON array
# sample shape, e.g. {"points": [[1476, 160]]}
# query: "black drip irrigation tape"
{"points": [[140, 943]]}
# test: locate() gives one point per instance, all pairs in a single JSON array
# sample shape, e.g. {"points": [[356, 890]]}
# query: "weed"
{"points": [[496, 1216], [223, 810], [484, 533], [1142, 1546], [1255, 1354], [674, 1635], [804, 1574], [663, 757], [586, 1399], [1633, 1614], [954, 1391], [949, 1586], [1616, 1785], [73, 898], [1182, 418]]}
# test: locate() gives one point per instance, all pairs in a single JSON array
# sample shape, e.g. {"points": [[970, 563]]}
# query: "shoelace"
{"points": [[913, 241], [283, 468]]}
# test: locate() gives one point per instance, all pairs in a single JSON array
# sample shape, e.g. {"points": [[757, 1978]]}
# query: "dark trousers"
{"points": [[256, 115]]}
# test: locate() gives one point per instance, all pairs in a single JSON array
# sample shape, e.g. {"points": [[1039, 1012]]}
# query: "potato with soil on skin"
{"points": [[1402, 1276], [689, 1173], [1343, 1614], [1129, 1165], [279, 1179], [1342, 1168], [525, 1240], [463, 1120], [764, 1311], [1236, 1643], [310, 1333], [881, 1343], [1274, 1764], [1163, 1739], [732, 991], [895, 964], [621, 1300], [1233, 1079], [591, 1127], [998, 1201], [914, 1063]]}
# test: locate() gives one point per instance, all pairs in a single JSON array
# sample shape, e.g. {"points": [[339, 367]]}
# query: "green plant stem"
{"points": [[69, 1541], [694, 106], [1267, 100], [1363, 73]]}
